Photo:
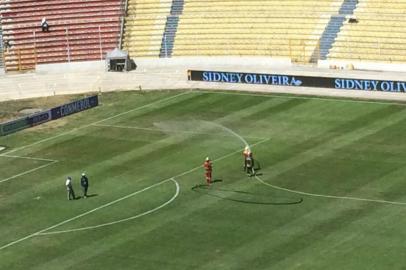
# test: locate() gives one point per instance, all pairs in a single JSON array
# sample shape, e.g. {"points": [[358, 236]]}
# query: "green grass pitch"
{"points": [[330, 192]]}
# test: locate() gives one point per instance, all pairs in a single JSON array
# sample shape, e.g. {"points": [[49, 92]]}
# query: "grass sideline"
{"points": [[311, 145]]}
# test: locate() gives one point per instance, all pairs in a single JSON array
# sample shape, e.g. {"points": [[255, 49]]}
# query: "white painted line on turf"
{"points": [[82, 215], [120, 199], [30, 158], [121, 220], [314, 194], [273, 95], [27, 172], [96, 122], [172, 131], [329, 196], [7, 154], [318, 195]]}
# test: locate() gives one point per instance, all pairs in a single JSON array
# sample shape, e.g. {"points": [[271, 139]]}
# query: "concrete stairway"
{"points": [[333, 27], [171, 27]]}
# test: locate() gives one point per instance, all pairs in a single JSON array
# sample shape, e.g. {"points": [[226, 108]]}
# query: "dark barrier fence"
{"points": [[45, 116], [74, 107], [292, 80]]}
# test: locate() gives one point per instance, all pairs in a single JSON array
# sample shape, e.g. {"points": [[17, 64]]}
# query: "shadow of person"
{"points": [[217, 181], [257, 165]]}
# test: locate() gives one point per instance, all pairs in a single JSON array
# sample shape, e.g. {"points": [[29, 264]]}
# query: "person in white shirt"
{"points": [[69, 188]]}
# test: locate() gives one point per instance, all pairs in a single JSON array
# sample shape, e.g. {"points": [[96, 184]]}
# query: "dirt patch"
{"points": [[18, 108], [29, 111]]}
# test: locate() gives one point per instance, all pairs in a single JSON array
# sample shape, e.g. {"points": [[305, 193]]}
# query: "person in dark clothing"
{"points": [[84, 182], [249, 161], [6, 44], [44, 25]]}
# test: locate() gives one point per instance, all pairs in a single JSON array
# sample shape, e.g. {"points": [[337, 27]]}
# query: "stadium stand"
{"points": [[376, 32], [145, 26], [289, 28], [79, 30], [171, 27], [334, 26]]}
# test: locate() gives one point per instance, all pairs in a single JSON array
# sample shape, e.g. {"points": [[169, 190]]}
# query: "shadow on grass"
{"points": [[209, 190], [88, 196], [216, 181]]}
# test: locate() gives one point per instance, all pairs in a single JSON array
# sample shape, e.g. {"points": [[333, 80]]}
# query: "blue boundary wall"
{"points": [[49, 115]]}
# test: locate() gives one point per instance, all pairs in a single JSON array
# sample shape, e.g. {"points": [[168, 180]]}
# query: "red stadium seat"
{"points": [[79, 31]]}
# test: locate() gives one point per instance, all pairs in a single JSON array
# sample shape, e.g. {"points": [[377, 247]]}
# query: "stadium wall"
{"points": [[155, 73], [362, 65], [72, 67]]}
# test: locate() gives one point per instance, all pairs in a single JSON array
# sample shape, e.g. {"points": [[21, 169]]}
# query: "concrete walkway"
{"points": [[154, 73]]}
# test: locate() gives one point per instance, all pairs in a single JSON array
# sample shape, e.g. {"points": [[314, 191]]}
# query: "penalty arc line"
{"points": [[329, 196], [115, 201], [81, 215], [121, 220], [314, 194]]}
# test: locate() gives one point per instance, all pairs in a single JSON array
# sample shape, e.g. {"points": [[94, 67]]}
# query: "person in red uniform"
{"points": [[208, 169]]}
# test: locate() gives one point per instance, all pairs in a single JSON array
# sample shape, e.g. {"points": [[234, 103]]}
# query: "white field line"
{"points": [[314, 194], [172, 131], [27, 172], [31, 158], [96, 122], [329, 196], [82, 215], [272, 95], [124, 219], [6, 154], [120, 199]]}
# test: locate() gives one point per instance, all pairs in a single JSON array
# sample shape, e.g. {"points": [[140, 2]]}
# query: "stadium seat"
{"points": [[270, 28], [79, 31], [378, 35], [145, 25], [289, 28]]}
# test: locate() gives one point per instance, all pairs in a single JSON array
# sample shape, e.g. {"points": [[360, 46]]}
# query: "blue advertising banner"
{"points": [[39, 118], [45, 116], [14, 126], [74, 107], [293, 80]]}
